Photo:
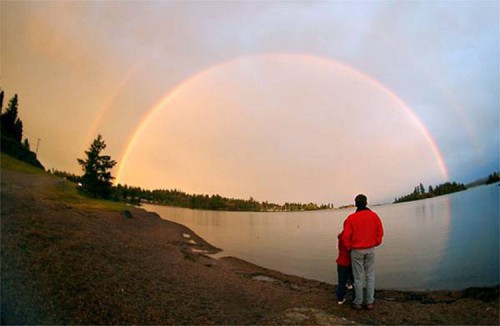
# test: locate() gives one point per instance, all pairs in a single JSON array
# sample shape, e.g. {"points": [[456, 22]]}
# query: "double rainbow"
{"points": [[326, 62]]}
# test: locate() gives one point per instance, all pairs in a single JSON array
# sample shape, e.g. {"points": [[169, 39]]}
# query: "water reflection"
{"points": [[415, 241], [444, 242], [473, 248]]}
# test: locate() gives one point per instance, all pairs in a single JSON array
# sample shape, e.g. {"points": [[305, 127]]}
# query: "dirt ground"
{"points": [[65, 263]]}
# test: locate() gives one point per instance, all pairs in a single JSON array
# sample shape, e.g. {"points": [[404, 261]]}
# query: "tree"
{"points": [[1, 101], [492, 178], [12, 126], [26, 144], [96, 179], [422, 189]]}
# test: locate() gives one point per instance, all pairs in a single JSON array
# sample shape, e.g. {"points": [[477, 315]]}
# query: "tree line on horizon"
{"points": [[439, 190], [97, 175], [419, 191], [493, 178], [179, 198], [96, 180]]}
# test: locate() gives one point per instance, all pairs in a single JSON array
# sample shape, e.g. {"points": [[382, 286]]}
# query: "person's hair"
{"points": [[361, 201]]}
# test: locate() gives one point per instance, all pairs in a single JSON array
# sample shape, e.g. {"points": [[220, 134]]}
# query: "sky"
{"points": [[284, 101]]}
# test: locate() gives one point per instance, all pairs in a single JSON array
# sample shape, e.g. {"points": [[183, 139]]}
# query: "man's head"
{"points": [[361, 201]]}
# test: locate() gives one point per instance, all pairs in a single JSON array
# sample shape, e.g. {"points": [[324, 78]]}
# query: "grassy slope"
{"points": [[9, 163], [64, 191]]}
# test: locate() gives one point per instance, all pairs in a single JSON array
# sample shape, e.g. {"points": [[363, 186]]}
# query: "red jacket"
{"points": [[344, 257], [362, 229]]}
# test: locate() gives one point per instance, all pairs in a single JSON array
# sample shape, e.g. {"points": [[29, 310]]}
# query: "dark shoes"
{"points": [[369, 306]]}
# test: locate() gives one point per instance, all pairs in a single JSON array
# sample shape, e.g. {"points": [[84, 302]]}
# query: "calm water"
{"points": [[448, 242]]}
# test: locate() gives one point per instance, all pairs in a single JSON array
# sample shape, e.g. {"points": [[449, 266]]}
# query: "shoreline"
{"points": [[257, 244], [218, 254], [64, 261]]}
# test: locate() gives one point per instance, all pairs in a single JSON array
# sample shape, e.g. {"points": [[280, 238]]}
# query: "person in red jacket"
{"points": [[363, 231], [344, 271]]}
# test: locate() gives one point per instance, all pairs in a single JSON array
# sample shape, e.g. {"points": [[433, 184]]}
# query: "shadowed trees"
{"points": [[11, 128], [97, 179], [492, 178], [442, 189]]}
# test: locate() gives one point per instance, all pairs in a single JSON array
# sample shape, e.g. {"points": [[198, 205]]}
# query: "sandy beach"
{"points": [[69, 260]]}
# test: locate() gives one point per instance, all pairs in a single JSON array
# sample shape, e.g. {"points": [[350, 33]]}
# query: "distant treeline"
{"points": [[213, 202], [439, 190], [443, 189], [492, 178], [178, 198]]}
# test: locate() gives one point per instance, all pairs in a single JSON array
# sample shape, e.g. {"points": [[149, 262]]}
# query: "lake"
{"points": [[447, 242]]}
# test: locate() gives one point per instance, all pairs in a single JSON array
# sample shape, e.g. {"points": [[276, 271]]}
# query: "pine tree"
{"points": [[12, 126], [422, 189], [26, 144], [1, 101], [97, 177]]}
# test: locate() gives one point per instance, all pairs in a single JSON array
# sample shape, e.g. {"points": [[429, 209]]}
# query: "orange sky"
{"points": [[242, 125]]}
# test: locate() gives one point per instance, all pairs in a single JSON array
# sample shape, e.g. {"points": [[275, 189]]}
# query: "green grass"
{"points": [[68, 193], [64, 191], [9, 163]]}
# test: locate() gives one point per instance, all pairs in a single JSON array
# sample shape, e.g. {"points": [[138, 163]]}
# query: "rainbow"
{"points": [[327, 62], [459, 111], [109, 103]]}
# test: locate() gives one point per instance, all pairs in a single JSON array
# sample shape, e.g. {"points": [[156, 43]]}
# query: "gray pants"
{"points": [[363, 269]]}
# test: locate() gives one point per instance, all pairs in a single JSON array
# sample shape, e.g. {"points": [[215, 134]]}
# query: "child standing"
{"points": [[344, 271]]}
